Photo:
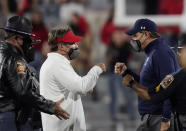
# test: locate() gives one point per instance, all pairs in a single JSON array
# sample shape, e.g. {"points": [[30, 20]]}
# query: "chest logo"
{"points": [[21, 68]]}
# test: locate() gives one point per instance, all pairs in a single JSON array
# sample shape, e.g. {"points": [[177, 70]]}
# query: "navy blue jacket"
{"points": [[161, 60]]}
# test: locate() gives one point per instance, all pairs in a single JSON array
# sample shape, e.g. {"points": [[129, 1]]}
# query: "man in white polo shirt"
{"points": [[58, 79]]}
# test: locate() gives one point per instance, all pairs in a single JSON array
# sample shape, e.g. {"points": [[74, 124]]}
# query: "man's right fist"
{"points": [[120, 68], [102, 66], [127, 79]]}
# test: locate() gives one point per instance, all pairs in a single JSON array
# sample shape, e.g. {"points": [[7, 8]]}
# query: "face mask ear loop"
{"points": [[139, 45]]}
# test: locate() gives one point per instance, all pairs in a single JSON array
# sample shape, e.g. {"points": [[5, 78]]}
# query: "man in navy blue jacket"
{"points": [[160, 61]]}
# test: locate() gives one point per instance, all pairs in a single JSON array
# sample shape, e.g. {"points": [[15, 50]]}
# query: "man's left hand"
{"points": [[165, 126], [127, 79]]}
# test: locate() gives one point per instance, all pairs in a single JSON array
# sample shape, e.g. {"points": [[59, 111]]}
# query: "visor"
{"points": [[69, 37], [132, 31]]}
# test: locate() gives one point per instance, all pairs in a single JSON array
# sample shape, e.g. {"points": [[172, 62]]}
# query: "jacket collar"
{"points": [[150, 47], [57, 55]]}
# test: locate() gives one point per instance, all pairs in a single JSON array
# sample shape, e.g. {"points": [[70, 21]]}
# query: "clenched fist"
{"points": [[102, 66], [127, 79], [120, 68]]}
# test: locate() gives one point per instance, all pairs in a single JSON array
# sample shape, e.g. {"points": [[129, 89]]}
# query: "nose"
{"points": [[133, 38], [75, 46]]}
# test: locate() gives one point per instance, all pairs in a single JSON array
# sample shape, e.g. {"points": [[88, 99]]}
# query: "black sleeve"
{"points": [[23, 87], [162, 95], [165, 92], [128, 71]]}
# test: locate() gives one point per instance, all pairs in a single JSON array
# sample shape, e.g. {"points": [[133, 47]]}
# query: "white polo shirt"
{"points": [[59, 80]]}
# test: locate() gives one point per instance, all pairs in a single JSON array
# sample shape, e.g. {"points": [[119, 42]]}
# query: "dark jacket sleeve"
{"points": [[163, 65], [24, 87], [162, 95], [165, 93]]}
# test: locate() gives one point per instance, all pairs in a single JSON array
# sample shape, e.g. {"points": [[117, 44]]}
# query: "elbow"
{"points": [[80, 90], [147, 98], [153, 100], [76, 87]]}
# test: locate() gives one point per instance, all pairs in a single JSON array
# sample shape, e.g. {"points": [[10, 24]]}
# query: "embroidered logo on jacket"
{"points": [[21, 68], [167, 81]]}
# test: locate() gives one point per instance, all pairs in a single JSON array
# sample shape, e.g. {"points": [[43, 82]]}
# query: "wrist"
{"points": [[98, 69], [131, 83], [125, 72]]}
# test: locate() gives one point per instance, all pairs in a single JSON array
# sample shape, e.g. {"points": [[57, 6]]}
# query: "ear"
{"points": [[60, 46]]}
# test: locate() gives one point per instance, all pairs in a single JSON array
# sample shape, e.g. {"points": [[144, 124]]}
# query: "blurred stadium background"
{"points": [[111, 107]]}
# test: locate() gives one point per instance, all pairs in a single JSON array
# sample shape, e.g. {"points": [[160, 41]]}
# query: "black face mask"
{"points": [[136, 45], [28, 49], [73, 53]]}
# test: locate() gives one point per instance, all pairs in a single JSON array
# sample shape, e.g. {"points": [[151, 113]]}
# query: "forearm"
{"points": [[89, 81], [141, 91], [24, 88], [145, 95], [67, 77], [39, 102], [25, 92], [32, 98], [44, 105]]}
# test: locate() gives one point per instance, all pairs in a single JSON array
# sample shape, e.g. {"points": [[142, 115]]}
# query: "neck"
{"points": [[148, 41], [63, 54]]}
